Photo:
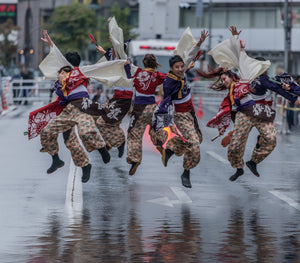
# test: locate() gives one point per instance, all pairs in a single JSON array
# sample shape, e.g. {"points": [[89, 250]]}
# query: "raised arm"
{"points": [[204, 35], [195, 49], [100, 49], [53, 61], [47, 38]]}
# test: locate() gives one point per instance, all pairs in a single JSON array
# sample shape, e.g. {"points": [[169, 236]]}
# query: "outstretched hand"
{"points": [[204, 35], [47, 38], [234, 31], [100, 49], [190, 66]]}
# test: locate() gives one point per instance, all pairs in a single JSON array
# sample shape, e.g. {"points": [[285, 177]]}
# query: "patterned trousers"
{"points": [[78, 154], [191, 148], [135, 135], [112, 133], [68, 118], [243, 125]]}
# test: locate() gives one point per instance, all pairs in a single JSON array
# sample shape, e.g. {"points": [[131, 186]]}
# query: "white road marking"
{"points": [[217, 156], [162, 201], [74, 188], [181, 195], [286, 199], [183, 198]]}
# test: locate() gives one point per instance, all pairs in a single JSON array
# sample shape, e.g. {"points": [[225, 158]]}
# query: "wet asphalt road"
{"points": [[148, 217]]}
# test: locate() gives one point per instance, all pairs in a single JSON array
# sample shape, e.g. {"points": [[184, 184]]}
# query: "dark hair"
{"points": [[65, 68], [149, 61], [174, 60], [218, 72], [74, 58], [260, 58]]}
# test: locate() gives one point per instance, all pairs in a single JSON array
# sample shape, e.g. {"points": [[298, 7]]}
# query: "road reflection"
{"points": [[118, 225]]}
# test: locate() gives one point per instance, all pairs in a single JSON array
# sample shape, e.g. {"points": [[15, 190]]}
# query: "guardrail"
{"points": [[29, 90]]}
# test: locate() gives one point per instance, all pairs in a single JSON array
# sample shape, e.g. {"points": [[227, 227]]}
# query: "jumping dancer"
{"points": [[119, 105], [75, 95], [177, 92], [240, 105], [145, 83]]}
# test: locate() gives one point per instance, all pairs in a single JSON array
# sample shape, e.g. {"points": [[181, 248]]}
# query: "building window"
{"points": [[264, 18], [246, 17]]}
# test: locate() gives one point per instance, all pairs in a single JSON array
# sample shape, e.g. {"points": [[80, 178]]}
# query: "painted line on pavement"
{"points": [[286, 199], [181, 195], [74, 198], [217, 156], [182, 198]]}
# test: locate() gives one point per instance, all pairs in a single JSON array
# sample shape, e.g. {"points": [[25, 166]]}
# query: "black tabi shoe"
{"points": [[86, 173], [252, 166], [185, 179], [166, 154], [159, 146], [56, 163], [134, 166], [105, 154], [121, 149], [237, 174]]}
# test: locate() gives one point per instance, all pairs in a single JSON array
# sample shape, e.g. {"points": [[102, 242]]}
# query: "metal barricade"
{"points": [[21, 91]]}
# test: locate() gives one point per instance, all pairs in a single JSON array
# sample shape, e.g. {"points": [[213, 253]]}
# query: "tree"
{"points": [[70, 26], [8, 42]]}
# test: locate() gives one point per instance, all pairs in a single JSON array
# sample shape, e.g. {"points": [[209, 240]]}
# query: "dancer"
{"points": [[240, 105], [74, 95], [177, 92], [119, 105], [145, 83]]}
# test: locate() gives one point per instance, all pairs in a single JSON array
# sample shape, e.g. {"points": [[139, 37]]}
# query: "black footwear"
{"points": [[56, 163], [237, 174], [185, 179], [86, 173], [134, 166], [121, 149], [166, 154], [105, 154], [252, 166], [159, 146]]}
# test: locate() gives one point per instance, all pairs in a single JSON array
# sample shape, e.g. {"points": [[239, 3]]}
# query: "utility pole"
{"points": [[210, 7], [287, 36]]}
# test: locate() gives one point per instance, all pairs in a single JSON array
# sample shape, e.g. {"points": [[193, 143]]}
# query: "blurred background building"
{"points": [[268, 31]]}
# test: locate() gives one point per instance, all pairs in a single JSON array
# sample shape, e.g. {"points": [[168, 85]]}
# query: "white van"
{"points": [[160, 48]]}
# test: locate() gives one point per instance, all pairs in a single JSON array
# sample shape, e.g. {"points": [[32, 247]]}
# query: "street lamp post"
{"points": [[287, 36]]}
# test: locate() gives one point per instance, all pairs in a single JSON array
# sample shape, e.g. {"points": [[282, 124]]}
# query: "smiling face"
{"points": [[178, 69], [226, 80]]}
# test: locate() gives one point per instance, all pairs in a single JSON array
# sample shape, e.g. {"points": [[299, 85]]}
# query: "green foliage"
{"points": [[70, 26], [8, 47]]}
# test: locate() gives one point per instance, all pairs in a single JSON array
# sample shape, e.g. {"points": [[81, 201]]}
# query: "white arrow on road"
{"points": [[183, 198]]}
